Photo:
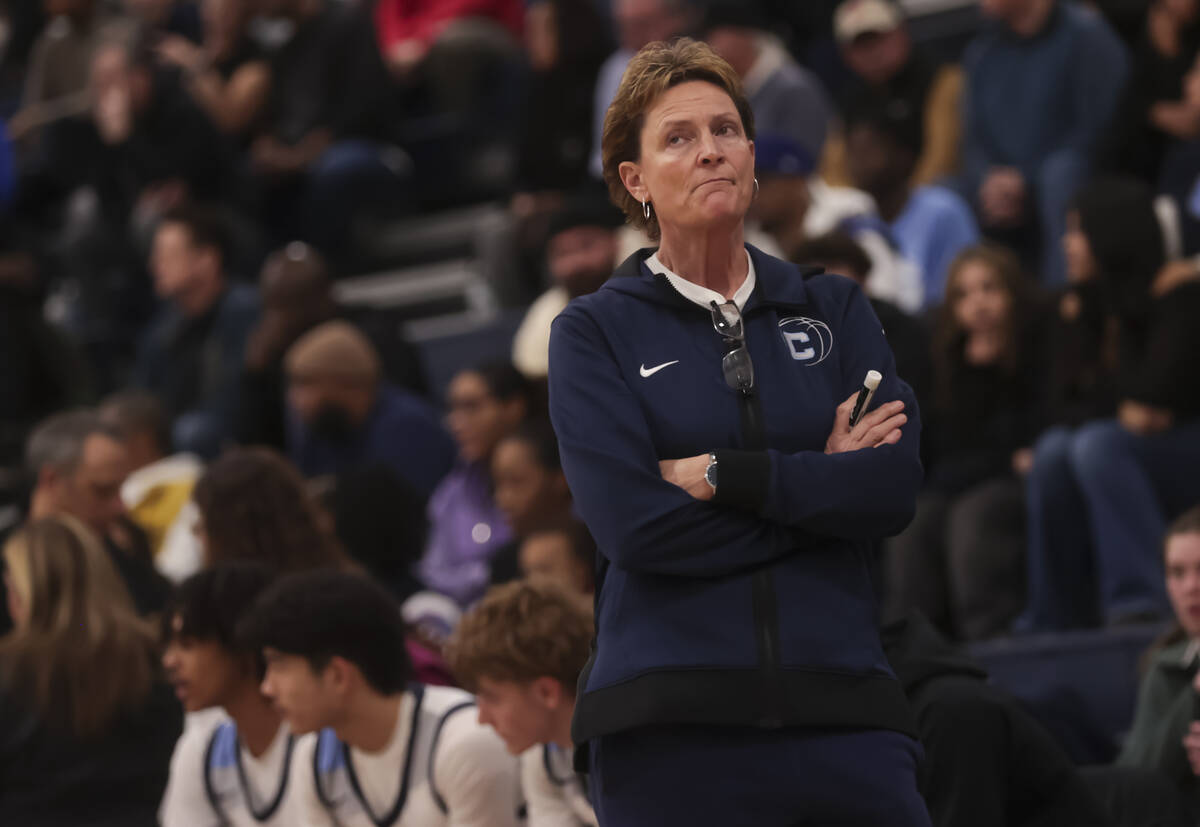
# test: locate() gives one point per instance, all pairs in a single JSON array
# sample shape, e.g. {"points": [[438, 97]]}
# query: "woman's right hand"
{"points": [[879, 427]]}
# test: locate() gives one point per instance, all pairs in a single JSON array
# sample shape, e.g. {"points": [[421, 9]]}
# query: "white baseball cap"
{"points": [[858, 17]]}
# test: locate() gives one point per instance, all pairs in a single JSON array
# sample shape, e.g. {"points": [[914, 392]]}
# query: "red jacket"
{"points": [[424, 20]]}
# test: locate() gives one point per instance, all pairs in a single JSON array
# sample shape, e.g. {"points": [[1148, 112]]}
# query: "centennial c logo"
{"points": [[808, 340]]}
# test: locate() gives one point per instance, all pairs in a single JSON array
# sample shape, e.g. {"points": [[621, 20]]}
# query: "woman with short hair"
{"points": [[87, 724], [702, 401]]}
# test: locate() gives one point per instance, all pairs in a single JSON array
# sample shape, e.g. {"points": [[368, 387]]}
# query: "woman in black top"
{"points": [[227, 74], [959, 561], [1100, 496], [87, 724], [1155, 114]]}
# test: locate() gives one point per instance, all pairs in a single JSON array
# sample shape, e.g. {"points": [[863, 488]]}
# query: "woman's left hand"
{"points": [[879, 427], [688, 474]]}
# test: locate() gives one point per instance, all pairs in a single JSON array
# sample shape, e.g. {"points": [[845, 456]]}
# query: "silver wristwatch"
{"points": [[710, 473]]}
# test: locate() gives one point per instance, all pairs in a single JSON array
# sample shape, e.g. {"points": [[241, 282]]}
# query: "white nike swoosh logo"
{"points": [[646, 374]]}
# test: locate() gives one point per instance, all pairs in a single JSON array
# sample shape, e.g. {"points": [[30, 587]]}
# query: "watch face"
{"points": [[710, 474]]}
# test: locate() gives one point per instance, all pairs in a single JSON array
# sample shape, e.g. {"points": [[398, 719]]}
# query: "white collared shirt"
{"points": [[702, 295]]}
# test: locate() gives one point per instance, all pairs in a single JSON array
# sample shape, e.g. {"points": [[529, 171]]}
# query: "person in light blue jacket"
{"points": [[702, 400]]}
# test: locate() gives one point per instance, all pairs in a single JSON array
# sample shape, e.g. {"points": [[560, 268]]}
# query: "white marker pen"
{"points": [[865, 393]]}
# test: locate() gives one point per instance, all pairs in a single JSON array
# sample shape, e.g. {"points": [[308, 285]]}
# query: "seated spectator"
{"points": [[1165, 736], [227, 74], [79, 466], [382, 525], [317, 158], [1100, 496], [563, 552], [1179, 176], [448, 45], [1043, 83], [787, 99], [158, 491], [581, 251], [637, 22], [465, 525], [930, 224], [40, 372], [336, 665], [988, 762], [520, 650], [105, 181], [56, 77], [885, 68], [566, 42], [88, 722], [172, 18], [191, 357], [1081, 379], [236, 767], [297, 296], [25, 23], [839, 253], [960, 560], [529, 487], [1155, 113], [342, 417], [156, 147], [794, 205], [253, 506]]}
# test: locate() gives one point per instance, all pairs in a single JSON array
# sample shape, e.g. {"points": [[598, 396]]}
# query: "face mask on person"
{"points": [[333, 423]]}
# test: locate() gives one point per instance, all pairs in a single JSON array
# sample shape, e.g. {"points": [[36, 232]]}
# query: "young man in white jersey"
{"points": [[231, 769], [520, 649], [388, 753]]}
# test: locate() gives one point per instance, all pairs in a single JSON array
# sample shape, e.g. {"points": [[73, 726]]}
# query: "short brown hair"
{"points": [[522, 631], [1186, 523], [652, 71]]}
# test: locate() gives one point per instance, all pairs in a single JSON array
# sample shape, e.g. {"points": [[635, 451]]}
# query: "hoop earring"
{"points": [[756, 188], [646, 209]]}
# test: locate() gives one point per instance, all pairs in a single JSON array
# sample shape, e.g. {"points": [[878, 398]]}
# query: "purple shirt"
{"points": [[465, 530]]}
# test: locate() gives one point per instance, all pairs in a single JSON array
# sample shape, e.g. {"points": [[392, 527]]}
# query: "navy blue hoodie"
{"points": [[757, 608]]}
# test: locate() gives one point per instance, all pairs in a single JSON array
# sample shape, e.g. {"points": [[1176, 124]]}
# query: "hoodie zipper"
{"points": [[766, 620], [765, 602]]}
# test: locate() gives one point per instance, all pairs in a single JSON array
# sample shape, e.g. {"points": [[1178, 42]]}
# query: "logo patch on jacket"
{"points": [[808, 340]]}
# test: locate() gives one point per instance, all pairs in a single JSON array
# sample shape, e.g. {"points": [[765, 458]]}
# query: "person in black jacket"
{"points": [[297, 295], [87, 723], [988, 762], [959, 561], [1100, 496], [318, 161], [78, 465]]}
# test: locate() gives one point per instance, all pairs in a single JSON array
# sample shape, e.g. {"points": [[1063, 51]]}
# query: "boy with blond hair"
{"points": [[520, 650]]}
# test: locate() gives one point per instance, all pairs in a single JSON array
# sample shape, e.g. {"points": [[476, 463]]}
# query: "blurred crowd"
{"points": [[184, 182]]}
